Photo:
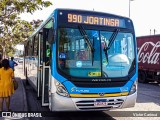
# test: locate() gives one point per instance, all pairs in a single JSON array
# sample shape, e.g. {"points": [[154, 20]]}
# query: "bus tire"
{"points": [[142, 77]]}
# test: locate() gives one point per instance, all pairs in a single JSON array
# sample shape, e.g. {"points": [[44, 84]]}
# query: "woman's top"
{"points": [[6, 82]]}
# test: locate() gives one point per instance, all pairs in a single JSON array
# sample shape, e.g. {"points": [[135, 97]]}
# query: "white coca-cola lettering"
{"points": [[151, 56]]}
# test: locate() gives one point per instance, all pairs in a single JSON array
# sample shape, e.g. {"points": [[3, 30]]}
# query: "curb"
{"points": [[25, 108]]}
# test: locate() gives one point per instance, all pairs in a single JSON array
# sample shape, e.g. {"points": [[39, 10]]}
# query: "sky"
{"points": [[144, 13]]}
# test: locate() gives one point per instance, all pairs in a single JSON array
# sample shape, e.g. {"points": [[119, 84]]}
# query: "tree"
{"points": [[20, 32], [13, 30]]}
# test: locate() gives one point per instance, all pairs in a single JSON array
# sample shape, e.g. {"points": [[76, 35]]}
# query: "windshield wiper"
{"points": [[111, 40], [84, 34]]}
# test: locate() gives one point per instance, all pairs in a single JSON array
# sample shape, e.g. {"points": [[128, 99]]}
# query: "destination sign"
{"points": [[95, 20]]}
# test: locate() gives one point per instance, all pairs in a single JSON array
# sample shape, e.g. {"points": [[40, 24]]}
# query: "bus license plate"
{"points": [[102, 102]]}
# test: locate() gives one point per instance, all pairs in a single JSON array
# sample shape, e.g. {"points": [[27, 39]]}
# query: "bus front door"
{"points": [[44, 68]]}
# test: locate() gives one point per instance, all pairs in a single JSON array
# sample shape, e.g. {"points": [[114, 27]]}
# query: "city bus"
{"points": [[80, 60]]}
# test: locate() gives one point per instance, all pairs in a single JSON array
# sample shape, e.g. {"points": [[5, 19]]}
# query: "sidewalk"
{"points": [[18, 99]]}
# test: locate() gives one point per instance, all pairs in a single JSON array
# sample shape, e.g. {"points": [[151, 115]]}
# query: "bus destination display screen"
{"points": [[95, 20]]}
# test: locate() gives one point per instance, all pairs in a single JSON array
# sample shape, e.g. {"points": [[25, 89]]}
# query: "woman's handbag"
{"points": [[15, 83]]}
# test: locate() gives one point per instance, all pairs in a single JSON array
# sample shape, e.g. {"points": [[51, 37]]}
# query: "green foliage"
{"points": [[13, 30]]}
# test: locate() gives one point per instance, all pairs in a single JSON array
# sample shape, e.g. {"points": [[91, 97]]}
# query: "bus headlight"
{"points": [[61, 90], [134, 88]]}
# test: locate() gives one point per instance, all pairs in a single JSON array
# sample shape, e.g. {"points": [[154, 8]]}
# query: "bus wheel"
{"points": [[142, 77]]}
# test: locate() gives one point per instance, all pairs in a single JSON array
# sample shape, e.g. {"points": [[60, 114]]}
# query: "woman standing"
{"points": [[6, 84]]}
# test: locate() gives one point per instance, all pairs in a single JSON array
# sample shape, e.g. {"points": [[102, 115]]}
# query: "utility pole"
{"points": [[154, 31], [130, 7]]}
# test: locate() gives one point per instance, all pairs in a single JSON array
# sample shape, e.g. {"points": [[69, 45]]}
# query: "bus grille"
{"points": [[99, 84], [89, 104]]}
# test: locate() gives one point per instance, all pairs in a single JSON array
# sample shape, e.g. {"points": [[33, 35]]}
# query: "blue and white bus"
{"points": [[81, 60]]}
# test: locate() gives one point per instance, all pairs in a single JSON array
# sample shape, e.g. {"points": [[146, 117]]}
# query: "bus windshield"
{"points": [[76, 59]]}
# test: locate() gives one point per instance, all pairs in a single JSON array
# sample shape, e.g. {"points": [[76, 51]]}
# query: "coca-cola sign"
{"points": [[149, 52]]}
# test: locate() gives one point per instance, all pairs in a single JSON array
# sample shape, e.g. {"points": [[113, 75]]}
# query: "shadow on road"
{"points": [[81, 116]]}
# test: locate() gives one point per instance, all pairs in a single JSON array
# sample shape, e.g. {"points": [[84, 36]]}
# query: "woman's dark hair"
{"points": [[5, 64]]}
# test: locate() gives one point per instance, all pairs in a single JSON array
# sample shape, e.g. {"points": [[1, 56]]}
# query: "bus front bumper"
{"points": [[60, 103]]}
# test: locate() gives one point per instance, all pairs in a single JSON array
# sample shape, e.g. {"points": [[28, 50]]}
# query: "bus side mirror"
{"points": [[51, 35]]}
